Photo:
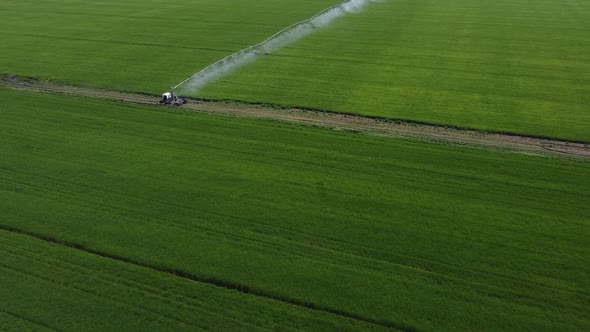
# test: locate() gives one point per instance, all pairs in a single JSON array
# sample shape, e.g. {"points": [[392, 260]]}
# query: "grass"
{"points": [[50, 287], [505, 66], [510, 66], [135, 45], [410, 234]]}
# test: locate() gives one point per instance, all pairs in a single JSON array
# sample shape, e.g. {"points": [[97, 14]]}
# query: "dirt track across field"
{"points": [[365, 125]]}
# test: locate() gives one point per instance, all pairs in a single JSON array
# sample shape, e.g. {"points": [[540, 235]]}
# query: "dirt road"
{"points": [[365, 125]]}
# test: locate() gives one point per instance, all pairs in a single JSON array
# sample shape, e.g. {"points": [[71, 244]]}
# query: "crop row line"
{"points": [[94, 293], [265, 243], [212, 281], [57, 263], [26, 319]]}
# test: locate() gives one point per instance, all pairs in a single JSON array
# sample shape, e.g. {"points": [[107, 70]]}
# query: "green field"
{"points": [[115, 216], [47, 287], [135, 45], [408, 234], [510, 65]]}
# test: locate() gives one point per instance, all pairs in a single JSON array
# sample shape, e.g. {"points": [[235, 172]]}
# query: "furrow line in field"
{"points": [[211, 281], [90, 274], [258, 240], [28, 320], [45, 278], [256, 237], [483, 288], [315, 239], [68, 266], [117, 277]]}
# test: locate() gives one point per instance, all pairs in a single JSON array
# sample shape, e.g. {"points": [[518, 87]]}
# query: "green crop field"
{"points": [[117, 216], [511, 65], [406, 234], [135, 45], [508, 66], [47, 287]]}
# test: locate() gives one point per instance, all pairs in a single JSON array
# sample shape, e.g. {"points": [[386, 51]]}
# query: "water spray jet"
{"points": [[278, 40]]}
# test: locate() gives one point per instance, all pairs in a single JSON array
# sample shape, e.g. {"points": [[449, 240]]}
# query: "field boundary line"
{"points": [[337, 121], [210, 281]]}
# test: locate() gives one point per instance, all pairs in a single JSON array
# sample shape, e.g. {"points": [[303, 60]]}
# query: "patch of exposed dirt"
{"points": [[362, 124]]}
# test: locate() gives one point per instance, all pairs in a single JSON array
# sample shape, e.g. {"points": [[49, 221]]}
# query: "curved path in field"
{"points": [[370, 126]]}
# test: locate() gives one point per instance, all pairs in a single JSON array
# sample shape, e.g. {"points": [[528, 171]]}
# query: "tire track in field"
{"points": [[26, 319], [164, 318], [123, 278], [58, 263], [191, 227], [212, 281], [338, 121]]}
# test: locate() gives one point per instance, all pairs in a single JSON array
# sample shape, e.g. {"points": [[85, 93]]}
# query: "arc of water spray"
{"points": [[276, 41]]}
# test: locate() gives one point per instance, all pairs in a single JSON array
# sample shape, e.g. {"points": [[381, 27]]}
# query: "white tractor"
{"points": [[170, 98]]}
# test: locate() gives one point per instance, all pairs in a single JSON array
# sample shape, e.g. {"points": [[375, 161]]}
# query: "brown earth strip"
{"points": [[370, 126]]}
